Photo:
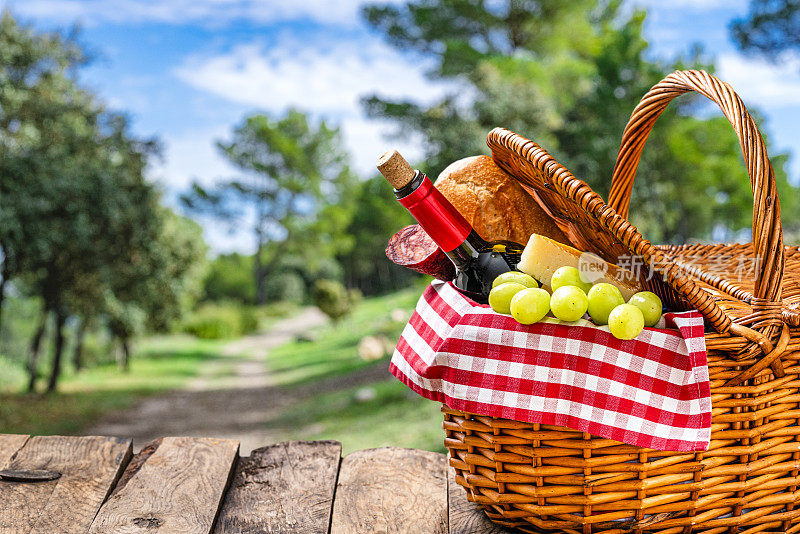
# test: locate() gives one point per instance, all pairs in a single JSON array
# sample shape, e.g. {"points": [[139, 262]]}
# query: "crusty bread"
{"points": [[496, 205]]}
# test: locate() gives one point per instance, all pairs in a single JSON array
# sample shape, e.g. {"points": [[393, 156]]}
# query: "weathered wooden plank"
{"points": [[287, 487], [9, 444], [177, 488], [391, 490], [465, 517], [136, 463], [89, 467]]}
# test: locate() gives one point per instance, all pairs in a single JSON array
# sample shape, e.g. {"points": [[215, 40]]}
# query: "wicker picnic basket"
{"points": [[542, 478]]}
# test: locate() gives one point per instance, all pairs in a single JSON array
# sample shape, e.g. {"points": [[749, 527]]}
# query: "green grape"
{"points": [[626, 321], [650, 305], [603, 298], [500, 296], [515, 276], [530, 305], [568, 276], [569, 303]]}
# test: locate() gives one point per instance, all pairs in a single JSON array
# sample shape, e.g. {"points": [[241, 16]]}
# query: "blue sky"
{"points": [[188, 70]]}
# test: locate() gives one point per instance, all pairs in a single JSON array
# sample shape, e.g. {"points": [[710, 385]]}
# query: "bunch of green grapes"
{"points": [[519, 294]]}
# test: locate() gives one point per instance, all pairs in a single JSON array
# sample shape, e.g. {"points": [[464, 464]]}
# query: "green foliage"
{"points": [[523, 61], [276, 310], [568, 75], [230, 277], [379, 215], [221, 321], [249, 316], [285, 287], [20, 319], [335, 300]]}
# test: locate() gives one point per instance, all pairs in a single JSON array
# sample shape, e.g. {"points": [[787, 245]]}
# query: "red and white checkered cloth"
{"points": [[651, 391]]}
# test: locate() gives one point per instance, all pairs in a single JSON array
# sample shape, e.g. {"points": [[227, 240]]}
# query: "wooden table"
{"points": [[95, 485]]}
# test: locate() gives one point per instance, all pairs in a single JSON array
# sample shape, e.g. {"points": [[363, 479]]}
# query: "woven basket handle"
{"points": [[767, 230]]}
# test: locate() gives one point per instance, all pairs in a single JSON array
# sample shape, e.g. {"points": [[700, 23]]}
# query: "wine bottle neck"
{"points": [[439, 218], [468, 250]]}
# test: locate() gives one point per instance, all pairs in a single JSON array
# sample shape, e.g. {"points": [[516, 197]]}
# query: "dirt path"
{"points": [[232, 397]]}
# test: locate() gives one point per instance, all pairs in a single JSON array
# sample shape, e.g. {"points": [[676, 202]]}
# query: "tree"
{"points": [[770, 27], [523, 62], [568, 75], [161, 281], [294, 184], [33, 69], [79, 224]]}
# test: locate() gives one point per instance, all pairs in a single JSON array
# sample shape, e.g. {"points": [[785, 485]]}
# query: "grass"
{"points": [[378, 412], [159, 364], [334, 349], [388, 414]]}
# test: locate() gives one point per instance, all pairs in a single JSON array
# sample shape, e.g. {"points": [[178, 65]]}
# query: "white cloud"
{"points": [[325, 79], [190, 157], [367, 140], [762, 83], [318, 75], [209, 12]]}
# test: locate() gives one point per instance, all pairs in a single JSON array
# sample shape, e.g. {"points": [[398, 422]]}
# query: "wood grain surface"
{"points": [[177, 489], [391, 490], [465, 517], [9, 444], [136, 463], [89, 467], [287, 487]]}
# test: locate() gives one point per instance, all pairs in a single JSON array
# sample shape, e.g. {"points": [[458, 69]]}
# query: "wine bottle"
{"points": [[478, 262]]}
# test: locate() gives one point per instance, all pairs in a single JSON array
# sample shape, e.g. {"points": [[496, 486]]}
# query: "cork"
{"points": [[396, 169]]}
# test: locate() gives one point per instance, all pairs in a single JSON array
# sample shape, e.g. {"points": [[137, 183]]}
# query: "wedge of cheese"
{"points": [[542, 256]]}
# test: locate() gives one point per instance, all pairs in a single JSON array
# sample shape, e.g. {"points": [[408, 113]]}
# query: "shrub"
{"points": [[276, 310], [230, 276], [249, 319], [221, 321], [286, 286], [334, 299]]}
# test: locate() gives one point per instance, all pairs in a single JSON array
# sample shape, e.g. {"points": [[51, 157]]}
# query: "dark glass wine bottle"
{"points": [[478, 262]]}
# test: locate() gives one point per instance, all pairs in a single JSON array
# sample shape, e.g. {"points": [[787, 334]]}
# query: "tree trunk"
{"points": [[58, 350], [2, 295], [33, 355], [258, 274], [126, 355], [77, 355]]}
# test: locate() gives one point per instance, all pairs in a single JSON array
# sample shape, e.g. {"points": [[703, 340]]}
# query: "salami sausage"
{"points": [[413, 248]]}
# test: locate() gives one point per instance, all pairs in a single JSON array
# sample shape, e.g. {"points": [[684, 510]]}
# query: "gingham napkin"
{"points": [[651, 391]]}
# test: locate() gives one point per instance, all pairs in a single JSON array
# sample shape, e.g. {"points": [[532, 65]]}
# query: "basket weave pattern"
{"points": [[549, 479]]}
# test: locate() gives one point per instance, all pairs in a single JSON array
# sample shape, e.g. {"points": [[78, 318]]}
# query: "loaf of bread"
{"points": [[496, 205]]}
